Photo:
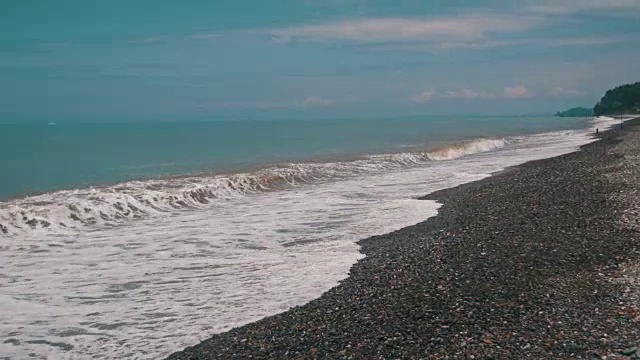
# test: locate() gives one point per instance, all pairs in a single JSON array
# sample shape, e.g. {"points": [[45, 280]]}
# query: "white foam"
{"points": [[64, 212], [607, 122], [149, 287], [470, 148]]}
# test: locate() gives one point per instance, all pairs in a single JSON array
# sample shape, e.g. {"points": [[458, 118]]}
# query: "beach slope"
{"points": [[535, 262]]}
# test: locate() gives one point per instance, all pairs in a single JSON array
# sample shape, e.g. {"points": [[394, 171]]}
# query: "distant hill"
{"points": [[575, 112], [624, 99]]}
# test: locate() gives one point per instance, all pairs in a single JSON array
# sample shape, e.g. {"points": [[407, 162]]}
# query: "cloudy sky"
{"points": [[227, 59]]}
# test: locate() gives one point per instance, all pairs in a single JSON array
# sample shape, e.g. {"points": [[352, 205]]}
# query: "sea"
{"points": [[135, 240]]}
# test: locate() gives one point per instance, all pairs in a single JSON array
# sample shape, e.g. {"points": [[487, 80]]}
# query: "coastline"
{"points": [[167, 167], [224, 271], [499, 272], [522, 264]]}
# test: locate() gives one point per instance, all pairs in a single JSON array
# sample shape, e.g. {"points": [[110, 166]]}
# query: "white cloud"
{"points": [[517, 92], [280, 39], [167, 38], [204, 36], [306, 102], [423, 97], [315, 101], [475, 45], [151, 39], [486, 44], [470, 94], [575, 41], [584, 41], [560, 91], [469, 27], [510, 92], [565, 7]]}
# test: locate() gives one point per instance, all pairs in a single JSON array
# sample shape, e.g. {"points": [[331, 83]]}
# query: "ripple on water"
{"points": [[128, 286], [61, 345], [116, 325], [72, 331]]}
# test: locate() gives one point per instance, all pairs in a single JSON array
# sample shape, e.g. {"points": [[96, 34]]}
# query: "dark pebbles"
{"points": [[515, 266]]}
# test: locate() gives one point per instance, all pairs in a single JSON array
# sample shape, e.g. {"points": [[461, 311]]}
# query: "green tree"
{"points": [[620, 100]]}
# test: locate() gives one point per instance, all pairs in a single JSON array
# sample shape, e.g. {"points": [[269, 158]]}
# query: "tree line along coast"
{"points": [[624, 99]]}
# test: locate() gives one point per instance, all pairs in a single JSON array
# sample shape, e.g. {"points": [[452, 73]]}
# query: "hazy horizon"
{"points": [[258, 118]]}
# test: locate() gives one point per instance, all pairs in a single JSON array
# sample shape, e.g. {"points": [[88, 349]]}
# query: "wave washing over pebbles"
{"points": [[141, 269]]}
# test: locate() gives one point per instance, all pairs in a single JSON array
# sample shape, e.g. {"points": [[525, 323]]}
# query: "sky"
{"points": [[268, 59]]}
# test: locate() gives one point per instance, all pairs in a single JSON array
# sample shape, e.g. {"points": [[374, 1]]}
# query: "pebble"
{"points": [[544, 229]]}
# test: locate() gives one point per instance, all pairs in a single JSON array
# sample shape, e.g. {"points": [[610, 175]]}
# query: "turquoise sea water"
{"points": [[44, 157]]}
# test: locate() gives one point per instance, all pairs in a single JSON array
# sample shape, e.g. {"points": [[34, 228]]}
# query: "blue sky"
{"points": [[227, 59]]}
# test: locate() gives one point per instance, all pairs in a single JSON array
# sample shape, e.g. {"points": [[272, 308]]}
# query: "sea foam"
{"points": [[66, 211], [180, 259]]}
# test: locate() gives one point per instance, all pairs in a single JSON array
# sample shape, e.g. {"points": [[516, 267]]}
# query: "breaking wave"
{"points": [[72, 210]]}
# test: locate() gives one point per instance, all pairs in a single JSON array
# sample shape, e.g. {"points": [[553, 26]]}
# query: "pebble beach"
{"points": [[539, 261]]}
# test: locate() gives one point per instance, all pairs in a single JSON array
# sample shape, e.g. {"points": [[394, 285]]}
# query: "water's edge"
{"points": [[208, 271]]}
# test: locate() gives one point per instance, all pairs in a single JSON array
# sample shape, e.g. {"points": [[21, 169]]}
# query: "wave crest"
{"points": [[472, 147], [71, 210]]}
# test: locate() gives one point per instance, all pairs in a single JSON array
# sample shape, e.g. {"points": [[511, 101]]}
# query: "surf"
{"points": [[204, 254], [71, 210]]}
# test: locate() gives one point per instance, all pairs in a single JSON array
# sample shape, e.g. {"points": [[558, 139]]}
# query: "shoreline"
{"points": [[509, 267], [59, 211], [224, 271], [243, 169], [257, 168]]}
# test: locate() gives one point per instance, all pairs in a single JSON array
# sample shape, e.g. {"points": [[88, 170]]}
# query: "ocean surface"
{"points": [[135, 240], [43, 157]]}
